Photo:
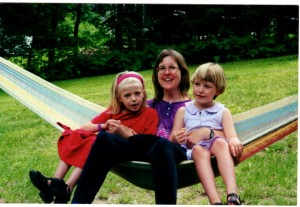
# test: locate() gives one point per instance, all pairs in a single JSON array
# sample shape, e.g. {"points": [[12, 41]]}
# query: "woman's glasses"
{"points": [[172, 69]]}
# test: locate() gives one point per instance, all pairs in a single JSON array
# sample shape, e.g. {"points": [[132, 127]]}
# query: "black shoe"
{"points": [[60, 190], [233, 199], [41, 183]]}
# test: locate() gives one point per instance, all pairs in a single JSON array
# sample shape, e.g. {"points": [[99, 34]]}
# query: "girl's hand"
{"points": [[121, 130], [180, 136], [114, 126], [235, 147], [200, 134], [109, 123], [196, 136], [113, 121]]}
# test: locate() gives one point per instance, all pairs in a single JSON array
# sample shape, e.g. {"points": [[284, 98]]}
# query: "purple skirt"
{"points": [[205, 143]]}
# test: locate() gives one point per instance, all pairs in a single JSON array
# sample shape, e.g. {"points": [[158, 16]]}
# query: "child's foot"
{"points": [[233, 199], [218, 203], [41, 183], [60, 190]]}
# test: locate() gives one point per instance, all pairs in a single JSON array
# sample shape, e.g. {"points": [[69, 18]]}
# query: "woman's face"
{"points": [[169, 74]]}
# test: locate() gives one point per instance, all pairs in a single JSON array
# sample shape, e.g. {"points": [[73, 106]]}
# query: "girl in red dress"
{"points": [[126, 115]]}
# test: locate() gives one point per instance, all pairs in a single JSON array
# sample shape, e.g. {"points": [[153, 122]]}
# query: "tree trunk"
{"points": [[76, 29], [52, 38], [140, 14], [33, 34], [118, 27]]}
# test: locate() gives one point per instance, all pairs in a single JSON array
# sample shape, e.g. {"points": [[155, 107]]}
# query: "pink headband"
{"points": [[129, 75]]}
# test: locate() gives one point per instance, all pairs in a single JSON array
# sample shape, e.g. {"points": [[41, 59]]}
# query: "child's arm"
{"points": [[94, 124], [151, 123], [197, 135], [235, 144], [121, 130], [95, 127], [178, 134], [90, 127], [200, 134]]}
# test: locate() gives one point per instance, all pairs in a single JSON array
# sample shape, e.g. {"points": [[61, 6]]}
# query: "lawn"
{"points": [[267, 178]]}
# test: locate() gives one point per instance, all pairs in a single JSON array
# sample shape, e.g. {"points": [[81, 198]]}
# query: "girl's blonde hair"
{"points": [[123, 80], [211, 72]]}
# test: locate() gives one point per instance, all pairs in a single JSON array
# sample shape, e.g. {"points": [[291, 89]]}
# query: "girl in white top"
{"points": [[208, 82]]}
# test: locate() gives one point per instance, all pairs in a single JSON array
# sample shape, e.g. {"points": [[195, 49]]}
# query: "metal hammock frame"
{"points": [[257, 128]]}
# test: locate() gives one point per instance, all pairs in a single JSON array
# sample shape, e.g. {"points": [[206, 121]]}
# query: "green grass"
{"points": [[267, 178]]}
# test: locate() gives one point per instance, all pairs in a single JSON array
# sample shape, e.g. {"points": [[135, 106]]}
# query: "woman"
{"points": [[171, 83]]}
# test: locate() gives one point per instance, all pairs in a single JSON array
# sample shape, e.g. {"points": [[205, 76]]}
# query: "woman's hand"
{"points": [[179, 136]]}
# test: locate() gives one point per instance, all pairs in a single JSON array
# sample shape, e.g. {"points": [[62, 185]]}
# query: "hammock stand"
{"points": [[257, 128]]}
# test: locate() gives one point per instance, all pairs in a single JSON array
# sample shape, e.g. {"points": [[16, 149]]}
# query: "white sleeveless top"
{"points": [[209, 117], [195, 118]]}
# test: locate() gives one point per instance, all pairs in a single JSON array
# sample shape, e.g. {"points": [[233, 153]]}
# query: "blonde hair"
{"points": [[211, 72], [124, 80]]}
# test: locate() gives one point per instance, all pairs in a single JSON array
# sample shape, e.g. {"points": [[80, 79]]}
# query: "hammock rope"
{"points": [[257, 128]]}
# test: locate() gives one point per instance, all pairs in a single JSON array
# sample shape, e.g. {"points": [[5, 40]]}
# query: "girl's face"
{"points": [[132, 97], [204, 93], [169, 74]]}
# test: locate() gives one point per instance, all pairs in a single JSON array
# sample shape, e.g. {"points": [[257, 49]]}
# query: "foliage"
{"points": [[268, 178], [91, 39], [235, 48]]}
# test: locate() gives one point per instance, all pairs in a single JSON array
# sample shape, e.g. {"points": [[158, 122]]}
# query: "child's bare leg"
{"points": [[71, 182], [221, 151], [202, 158], [61, 170]]}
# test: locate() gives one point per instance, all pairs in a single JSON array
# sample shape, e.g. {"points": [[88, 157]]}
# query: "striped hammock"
{"points": [[257, 128]]}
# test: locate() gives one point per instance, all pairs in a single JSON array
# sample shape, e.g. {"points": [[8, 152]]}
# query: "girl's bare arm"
{"points": [[178, 135], [235, 145]]}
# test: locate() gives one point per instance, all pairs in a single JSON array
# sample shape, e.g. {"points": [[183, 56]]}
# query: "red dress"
{"points": [[74, 145]]}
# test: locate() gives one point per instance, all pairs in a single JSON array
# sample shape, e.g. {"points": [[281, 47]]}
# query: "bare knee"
{"points": [[219, 145], [200, 152]]}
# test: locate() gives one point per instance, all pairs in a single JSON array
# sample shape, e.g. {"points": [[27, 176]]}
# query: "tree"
{"points": [[89, 39], [15, 21]]}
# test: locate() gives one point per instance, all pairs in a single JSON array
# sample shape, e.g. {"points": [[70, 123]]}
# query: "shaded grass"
{"points": [[267, 178]]}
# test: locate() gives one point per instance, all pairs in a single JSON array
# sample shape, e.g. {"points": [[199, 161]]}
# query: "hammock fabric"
{"points": [[257, 128]]}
